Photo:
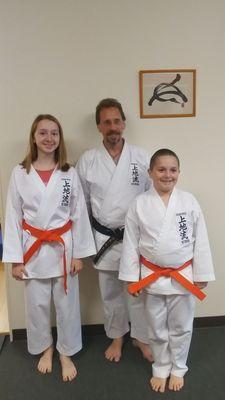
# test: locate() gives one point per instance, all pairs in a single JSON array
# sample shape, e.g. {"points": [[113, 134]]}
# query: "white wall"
{"points": [[63, 56]]}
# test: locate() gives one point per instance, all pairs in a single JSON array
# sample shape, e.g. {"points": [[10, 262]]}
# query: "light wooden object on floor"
{"points": [[4, 322]]}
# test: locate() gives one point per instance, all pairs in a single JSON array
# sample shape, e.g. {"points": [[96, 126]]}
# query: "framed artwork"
{"points": [[167, 93]]}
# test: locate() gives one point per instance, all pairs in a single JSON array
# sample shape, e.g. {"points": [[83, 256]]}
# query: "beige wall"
{"points": [[62, 57]]}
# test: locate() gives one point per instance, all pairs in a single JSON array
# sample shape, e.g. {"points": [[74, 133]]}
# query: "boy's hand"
{"points": [[18, 271], [201, 285], [76, 266]]}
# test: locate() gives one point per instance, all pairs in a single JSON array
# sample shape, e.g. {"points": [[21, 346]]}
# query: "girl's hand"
{"points": [[136, 294], [18, 271], [76, 266], [201, 285]]}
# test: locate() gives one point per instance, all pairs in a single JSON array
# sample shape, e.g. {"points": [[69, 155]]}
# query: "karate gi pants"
{"points": [[170, 325], [120, 308], [38, 295]]}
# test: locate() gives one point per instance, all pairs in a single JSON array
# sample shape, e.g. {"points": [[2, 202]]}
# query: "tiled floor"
{"points": [[99, 379]]}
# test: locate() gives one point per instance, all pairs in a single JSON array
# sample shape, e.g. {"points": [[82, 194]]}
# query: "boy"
{"points": [[166, 243]]}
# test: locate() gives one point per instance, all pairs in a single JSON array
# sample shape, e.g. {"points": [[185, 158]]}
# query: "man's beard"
{"points": [[113, 137]]}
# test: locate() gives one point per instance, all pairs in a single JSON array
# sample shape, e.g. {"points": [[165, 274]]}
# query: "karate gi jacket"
{"points": [[168, 237], [109, 189], [46, 207]]}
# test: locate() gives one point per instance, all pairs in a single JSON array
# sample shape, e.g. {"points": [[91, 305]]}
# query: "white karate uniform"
{"points": [[109, 188], [168, 237], [48, 207]]}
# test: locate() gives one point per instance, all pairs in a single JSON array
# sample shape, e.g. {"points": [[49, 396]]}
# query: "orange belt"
{"points": [[169, 272], [52, 235]]}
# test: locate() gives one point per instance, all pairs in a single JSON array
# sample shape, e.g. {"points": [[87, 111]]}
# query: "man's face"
{"points": [[111, 125]]}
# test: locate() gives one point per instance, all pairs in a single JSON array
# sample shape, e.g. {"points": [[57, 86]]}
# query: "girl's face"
{"points": [[165, 174], [47, 137]]}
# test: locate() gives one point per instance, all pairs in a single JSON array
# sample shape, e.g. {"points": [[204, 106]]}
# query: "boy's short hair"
{"points": [[162, 152]]}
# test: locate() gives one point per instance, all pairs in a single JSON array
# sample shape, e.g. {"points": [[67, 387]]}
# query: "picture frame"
{"points": [[167, 93]]}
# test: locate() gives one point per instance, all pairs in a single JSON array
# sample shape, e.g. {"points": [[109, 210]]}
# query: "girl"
{"points": [[166, 241], [47, 232]]}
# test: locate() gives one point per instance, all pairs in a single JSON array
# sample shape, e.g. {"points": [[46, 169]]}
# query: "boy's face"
{"points": [[165, 174]]}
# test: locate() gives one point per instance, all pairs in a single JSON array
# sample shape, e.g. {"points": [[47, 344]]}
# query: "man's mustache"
{"points": [[111, 133]]}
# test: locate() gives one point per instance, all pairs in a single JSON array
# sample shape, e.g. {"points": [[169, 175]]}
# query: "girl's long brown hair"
{"points": [[60, 152]]}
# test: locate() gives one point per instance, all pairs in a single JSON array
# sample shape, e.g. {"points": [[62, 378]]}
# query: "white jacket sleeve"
{"points": [[13, 237], [129, 264], [148, 183], [202, 260], [83, 241], [81, 168]]}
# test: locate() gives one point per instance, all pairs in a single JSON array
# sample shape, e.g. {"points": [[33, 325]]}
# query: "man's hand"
{"points": [[18, 271], [76, 266]]}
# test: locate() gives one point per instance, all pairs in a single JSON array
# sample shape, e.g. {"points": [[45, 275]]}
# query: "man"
{"points": [[112, 176]]}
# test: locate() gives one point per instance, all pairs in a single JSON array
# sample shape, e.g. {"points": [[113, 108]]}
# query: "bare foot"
{"points": [[158, 384], [69, 371], [114, 351], [145, 349], [45, 362], [176, 382]]}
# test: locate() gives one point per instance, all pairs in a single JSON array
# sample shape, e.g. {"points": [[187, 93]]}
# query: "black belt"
{"points": [[115, 235]]}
